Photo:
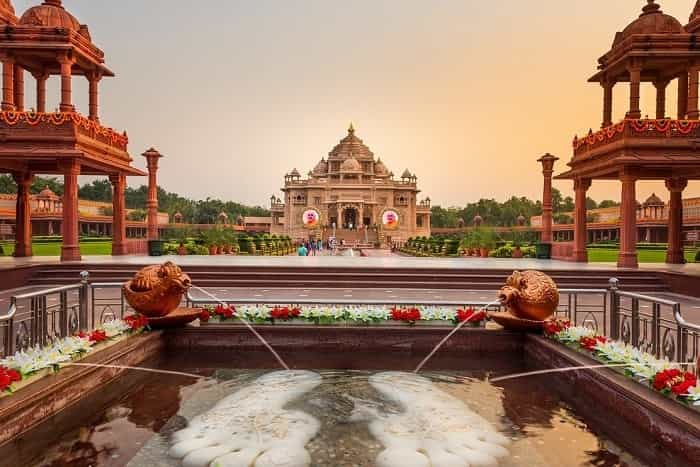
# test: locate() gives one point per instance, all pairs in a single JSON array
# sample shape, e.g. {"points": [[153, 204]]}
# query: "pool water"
{"points": [[332, 418]]}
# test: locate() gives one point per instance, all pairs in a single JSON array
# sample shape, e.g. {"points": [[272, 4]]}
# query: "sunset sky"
{"points": [[467, 94]]}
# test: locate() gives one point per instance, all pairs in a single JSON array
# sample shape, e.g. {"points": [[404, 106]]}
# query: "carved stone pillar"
{"points": [[23, 215], [8, 83], [70, 250], [94, 80], [675, 186], [660, 98], [547, 162], [118, 214], [635, 81], [607, 102], [693, 92], [19, 88], [682, 95], [152, 156], [628, 223], [581, 186], [40, 91], [66, 83]]}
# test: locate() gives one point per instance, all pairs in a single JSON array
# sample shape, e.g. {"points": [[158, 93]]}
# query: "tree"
{"points": [[608, 203], [591, 204]]}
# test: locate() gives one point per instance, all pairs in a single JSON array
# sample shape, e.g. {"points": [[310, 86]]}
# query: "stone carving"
{"points": [[251, 427], [530, 295], [157, 290], [434, 427]]}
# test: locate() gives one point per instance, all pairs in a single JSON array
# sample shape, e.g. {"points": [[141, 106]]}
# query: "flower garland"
{"points": [[27, 363], [657, 374], [665, 126], [331, 314], [32, 119]]}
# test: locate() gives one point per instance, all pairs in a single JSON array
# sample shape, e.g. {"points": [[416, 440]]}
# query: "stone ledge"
{"points": [[658, 430], [33, 404]]}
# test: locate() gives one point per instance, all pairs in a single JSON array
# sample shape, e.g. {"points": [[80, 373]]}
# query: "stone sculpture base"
{"points": [[512, 323], [176, 318]]}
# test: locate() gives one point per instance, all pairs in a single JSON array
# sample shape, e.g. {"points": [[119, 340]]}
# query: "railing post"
{"points": [[83, 301], [614, 308], [63, 314], [10, 331], [656, 329], [681, 337], [635, 322]]}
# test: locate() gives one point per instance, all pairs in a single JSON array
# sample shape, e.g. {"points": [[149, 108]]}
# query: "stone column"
{"points": [[66, 83], [152, 156], [94, 80], [19, 88], [693, 92], [23, 215], [8, 83], [581, 186], [547, 162], [70, 250], [628, 223], [660, 98], [607, 102], [635, 80], [118, 214], [682, 95], [40, 91], [675, 186]]}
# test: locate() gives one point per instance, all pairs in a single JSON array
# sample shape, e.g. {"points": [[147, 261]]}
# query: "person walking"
{"points": [[302, 251]]}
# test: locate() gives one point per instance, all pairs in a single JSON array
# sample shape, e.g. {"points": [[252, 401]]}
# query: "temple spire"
{"points": [[696, 11], [651, 7], [351, 129]]}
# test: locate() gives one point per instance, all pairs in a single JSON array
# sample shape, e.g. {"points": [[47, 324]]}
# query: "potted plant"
{"points": [[475, 240], [488, 243], [181, 236]]}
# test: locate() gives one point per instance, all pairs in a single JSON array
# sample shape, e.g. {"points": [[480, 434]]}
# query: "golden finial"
{"points": [[351, 129]]}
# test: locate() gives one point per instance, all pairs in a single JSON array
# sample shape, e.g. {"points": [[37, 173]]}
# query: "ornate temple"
{"points": [[353, 196]]}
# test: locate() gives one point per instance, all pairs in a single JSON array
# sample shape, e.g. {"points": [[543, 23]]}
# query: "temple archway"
{"points": [[350, 218]]}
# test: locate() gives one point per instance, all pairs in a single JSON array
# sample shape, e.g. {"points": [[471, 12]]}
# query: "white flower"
{"points": [[694, 393], [115, 328]]}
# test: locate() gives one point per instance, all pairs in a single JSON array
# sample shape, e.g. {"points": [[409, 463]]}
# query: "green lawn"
{"points": [[598, 255], [54, 248]]}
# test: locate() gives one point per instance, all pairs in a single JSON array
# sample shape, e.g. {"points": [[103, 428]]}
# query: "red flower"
{"points": [[295, 312], [7, 377], [204, 315], [136, 322], [555, 326], [674, 380], [469, 314], [590, 343], [284, 313], [409, 315], [224, 311], [98, 335]]}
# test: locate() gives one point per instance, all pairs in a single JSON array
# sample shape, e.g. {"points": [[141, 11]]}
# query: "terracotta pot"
{"points": [[484, 252], [517, 253], [212, 250], [182, 250], [227, 249], [219, 250]]}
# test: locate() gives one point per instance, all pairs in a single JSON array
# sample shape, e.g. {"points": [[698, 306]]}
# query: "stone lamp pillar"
{"points": [[547, 162], [152, 156]]}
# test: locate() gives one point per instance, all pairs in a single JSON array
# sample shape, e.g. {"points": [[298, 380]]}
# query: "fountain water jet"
{"points": [[452, 333], [252, 329]]}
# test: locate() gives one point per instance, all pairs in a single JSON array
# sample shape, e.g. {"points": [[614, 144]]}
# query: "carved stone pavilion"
{"points": [[353, 196], [657, 49], [48, 41]]}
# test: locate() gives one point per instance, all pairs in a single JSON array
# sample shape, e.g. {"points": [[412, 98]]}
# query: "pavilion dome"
{"points": [[51, 14], [321, 168], [350, 147], [351, 165], [406, 174], [651, 21], [653, 200], [521, 220], [380, 168], [478, 220], [295, 173], [47, 193]]}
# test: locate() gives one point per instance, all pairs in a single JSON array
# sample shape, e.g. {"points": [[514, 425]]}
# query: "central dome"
{"points": [[351, 147], [50, 14], [651, 21]]}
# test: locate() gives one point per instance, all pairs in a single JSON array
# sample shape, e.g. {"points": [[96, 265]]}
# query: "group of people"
{"points": [[311, 248]]}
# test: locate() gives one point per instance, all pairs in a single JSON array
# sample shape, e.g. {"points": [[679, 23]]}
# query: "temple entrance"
{"points": [[350, 218]]}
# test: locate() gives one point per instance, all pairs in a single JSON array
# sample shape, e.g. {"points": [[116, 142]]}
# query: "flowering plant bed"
{"points": [[27, 366], [342, 315], [659, 375]]}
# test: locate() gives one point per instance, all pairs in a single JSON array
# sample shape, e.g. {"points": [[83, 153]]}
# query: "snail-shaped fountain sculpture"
{"points": [[156, 292], [531, 297]]}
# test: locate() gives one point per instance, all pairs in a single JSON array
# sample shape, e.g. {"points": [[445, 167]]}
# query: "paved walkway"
{"points": [[393, 261]]}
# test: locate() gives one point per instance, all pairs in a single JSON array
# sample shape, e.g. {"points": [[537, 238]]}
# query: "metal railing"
{"points": [[652, 324]]}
